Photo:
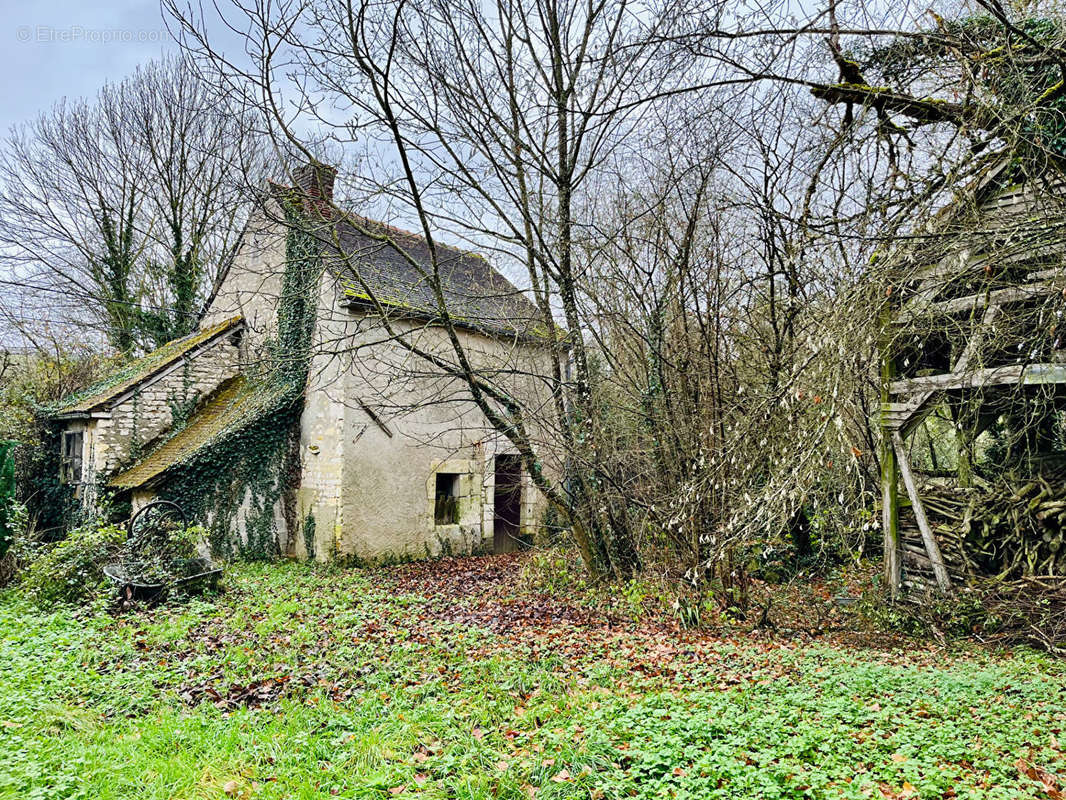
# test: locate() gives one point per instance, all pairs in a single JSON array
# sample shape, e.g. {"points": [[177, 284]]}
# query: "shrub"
{"points": [[71, 570], [17, 550]]}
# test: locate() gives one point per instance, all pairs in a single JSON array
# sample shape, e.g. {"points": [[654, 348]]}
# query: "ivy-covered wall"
{"points": [[243, 482], [237, 484]]}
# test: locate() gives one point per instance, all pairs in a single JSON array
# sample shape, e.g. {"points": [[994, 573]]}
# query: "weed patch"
{"points": [[448, 680]]}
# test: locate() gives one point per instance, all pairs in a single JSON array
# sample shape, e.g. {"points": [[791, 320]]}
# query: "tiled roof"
{"points": [[239, 403], [145, 367], [476, 295]]}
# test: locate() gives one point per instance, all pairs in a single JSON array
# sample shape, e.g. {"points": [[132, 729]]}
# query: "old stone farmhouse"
{"points": [[297, 422]]}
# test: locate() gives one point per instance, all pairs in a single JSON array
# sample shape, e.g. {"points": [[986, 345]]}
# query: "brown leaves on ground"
{"points": [[1051, 783], [455, 596], [487, 592], [256, 694]]}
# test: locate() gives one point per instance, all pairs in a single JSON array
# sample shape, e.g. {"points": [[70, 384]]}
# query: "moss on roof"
{"points": [[240, 402], [140, 370]]}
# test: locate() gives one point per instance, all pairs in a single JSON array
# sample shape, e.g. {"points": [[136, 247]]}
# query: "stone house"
{"points": [[300, 420]]}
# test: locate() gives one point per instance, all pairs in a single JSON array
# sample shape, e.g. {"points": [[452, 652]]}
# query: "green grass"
{"points": [[385, 697]]}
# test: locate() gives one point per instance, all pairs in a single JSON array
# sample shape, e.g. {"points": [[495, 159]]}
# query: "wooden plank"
{"points": [[958, 262], [894, 416], [910, 414], [931, 547], [1022, 374]]}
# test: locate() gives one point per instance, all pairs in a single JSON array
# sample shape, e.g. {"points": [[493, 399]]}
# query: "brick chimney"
{"points": [[315, 182]]}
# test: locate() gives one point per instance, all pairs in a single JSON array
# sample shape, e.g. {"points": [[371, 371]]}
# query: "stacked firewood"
{"points": [[1002, 530], [1002, 543]]}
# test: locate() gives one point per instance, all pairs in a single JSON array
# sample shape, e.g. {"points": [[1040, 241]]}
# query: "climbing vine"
{"points": [[240, 482], [183, 406], [249, 471], [7, 494]]}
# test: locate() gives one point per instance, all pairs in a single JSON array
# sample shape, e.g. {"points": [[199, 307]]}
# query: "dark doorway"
{"points": [[507, 505]]}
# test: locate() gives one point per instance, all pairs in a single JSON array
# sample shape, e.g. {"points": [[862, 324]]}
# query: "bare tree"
{"points": [[717, 299], [492, 121], [124, 211]]}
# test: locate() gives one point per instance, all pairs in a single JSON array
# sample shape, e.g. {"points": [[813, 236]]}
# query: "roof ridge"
{"points": [[395, 263]]}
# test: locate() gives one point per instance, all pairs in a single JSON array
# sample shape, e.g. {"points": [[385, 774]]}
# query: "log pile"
{"points": [[1007, 531], [1002, 544]]}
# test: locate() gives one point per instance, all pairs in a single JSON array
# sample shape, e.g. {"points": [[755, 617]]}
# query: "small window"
{"points": [[446, 499], [70, 457]]}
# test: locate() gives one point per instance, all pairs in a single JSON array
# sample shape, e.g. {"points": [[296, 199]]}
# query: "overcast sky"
{"points": [[50, 49]]}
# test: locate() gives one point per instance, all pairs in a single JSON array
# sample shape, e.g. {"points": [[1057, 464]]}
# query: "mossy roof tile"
{"points": [[239, 403], [145, 367]]}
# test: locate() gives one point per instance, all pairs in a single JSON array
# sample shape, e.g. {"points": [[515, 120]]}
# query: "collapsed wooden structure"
{"points": [[974, 320]]}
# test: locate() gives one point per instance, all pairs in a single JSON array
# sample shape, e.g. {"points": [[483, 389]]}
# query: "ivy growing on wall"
{"points": [[240, 480], [50, 503], [247, 470], [183, 406]]}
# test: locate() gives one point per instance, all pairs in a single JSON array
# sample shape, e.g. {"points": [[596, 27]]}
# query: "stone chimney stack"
{"points": [[314, 181]]}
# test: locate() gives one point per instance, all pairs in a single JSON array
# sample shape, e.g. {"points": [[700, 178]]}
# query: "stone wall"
{"points": [[252, 284], [403, 423], [132, 425], [320, 511]]}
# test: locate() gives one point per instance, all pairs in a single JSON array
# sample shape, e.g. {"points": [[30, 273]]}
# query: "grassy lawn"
{"points": [[302, 682]]}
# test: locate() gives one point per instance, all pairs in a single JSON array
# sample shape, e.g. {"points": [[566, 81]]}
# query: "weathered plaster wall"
{"points": [[322, 435], [252, 284], [388, 481]]}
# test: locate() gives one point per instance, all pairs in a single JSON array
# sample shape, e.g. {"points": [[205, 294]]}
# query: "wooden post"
{"points": [[890, 517], [965, 468], [889, 487], [943, 582]]}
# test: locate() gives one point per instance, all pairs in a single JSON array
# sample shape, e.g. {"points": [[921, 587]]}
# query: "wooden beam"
{"points": [[1021, 374], [376, 419], [932, 549], [1013, 294], [907, 416], [890, 520], [958, 262]]}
